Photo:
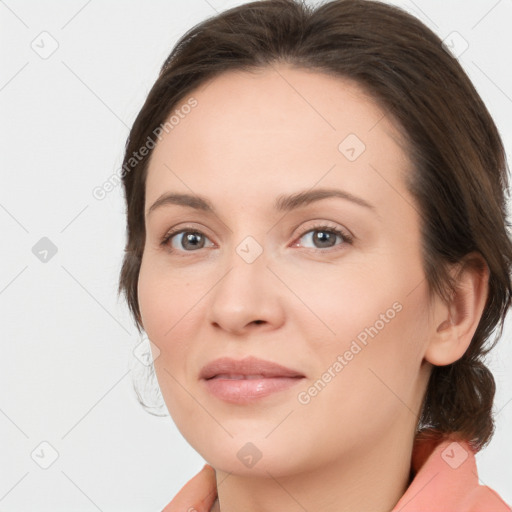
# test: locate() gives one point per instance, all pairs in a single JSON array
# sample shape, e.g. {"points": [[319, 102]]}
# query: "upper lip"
{"points": [[247, 366]]}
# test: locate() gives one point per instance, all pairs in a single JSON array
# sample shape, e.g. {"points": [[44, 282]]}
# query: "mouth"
{"points": [[235, 376], [246, 380]]}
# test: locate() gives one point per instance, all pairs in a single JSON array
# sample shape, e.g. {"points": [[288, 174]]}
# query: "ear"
{"points": [[455, 322]]}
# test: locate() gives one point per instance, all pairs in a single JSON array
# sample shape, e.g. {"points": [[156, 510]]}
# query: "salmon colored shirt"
{"points": [[444, 479]]}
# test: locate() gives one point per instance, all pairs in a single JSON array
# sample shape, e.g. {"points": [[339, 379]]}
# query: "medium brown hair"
{"points": [[459, 175]]}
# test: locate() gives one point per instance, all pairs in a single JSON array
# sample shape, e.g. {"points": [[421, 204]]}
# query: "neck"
{"points": [[371, 479]]}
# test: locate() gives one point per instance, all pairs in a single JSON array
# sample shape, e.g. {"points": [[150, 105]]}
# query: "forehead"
{"points": [[278, 128]]}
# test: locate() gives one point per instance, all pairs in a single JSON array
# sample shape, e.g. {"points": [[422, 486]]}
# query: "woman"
{"points": [[317, 247]]}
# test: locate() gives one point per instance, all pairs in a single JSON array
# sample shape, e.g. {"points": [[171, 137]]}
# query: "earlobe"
{"points": [[455, 323]]}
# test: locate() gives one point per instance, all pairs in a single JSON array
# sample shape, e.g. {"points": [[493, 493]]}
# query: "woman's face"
{"points": [[266, 274]]}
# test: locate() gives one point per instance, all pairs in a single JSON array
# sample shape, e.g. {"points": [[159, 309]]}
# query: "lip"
{"points": [[246, 380], [248, 366]]}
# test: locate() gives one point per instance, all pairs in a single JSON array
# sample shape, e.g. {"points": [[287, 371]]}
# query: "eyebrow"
{"points": [[283, 203]]}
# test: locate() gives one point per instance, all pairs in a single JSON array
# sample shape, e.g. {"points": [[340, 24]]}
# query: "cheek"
{"points": [[372, 335], [371, 388], [162, 301], [376, 359], [170, 311], [352, 303], [163, 305]]}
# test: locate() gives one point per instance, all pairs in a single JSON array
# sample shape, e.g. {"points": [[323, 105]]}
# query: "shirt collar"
{"points": [[444, 478]]}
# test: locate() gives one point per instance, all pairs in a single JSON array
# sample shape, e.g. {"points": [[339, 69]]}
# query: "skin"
{"points": [[197, 495], [251, 138]]}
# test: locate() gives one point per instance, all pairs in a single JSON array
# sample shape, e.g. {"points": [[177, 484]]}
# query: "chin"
{"points": [[259, 457]]}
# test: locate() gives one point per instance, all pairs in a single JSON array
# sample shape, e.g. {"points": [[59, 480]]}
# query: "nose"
{"points": [[247, 295]]}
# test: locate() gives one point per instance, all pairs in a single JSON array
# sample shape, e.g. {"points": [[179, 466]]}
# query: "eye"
{"points": [[324, 237], [191, 241]]}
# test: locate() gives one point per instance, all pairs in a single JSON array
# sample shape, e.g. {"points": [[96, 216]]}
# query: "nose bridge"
{"points": [[247, 292], [250, 250], [247, 262], [249, 239]]}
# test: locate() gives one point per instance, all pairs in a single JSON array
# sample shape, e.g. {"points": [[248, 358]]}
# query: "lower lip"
{"points": [[239, 391]]}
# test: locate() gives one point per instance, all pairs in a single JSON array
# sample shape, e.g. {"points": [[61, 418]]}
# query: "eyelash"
{"points": [[345, 237]]}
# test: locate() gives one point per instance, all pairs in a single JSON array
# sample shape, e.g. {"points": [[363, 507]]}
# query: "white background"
{"points": [[67, 341]]}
